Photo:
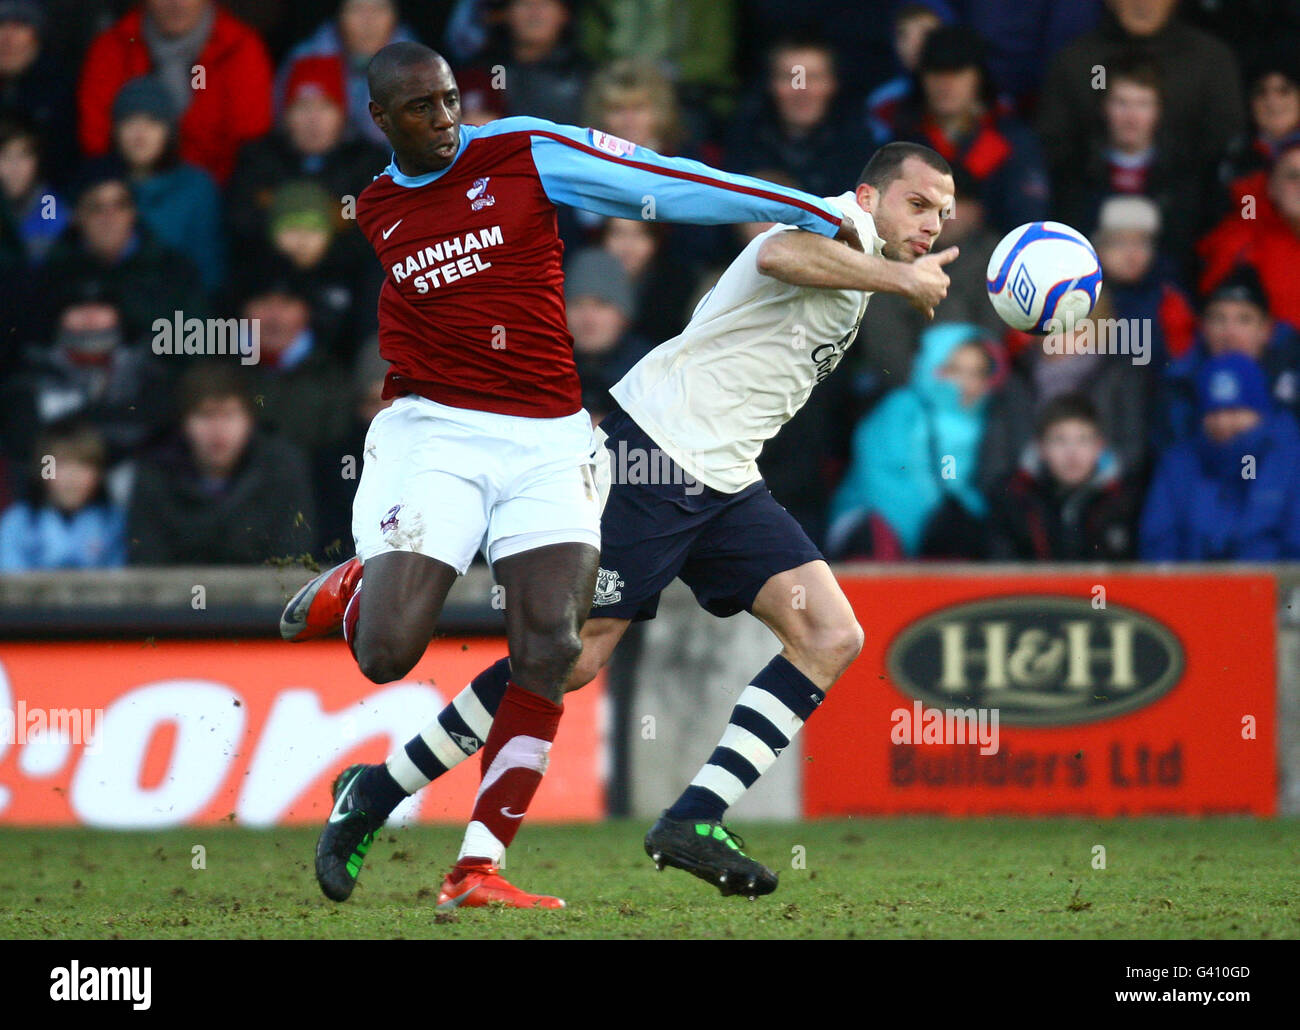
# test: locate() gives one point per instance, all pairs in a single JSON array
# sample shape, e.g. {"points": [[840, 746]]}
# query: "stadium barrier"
{"points": [[155, 698]]}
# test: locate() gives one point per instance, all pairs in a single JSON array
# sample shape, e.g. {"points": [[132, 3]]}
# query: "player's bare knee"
{"points": [[832, 647], [545, 661], [383, 662], [851, 643]]}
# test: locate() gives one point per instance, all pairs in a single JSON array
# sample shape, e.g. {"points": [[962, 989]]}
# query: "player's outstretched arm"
{"points": [[805, 259], [597, 172]]}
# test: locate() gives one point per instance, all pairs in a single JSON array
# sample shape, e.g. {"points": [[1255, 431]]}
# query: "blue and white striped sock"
{"points": [[457, 733], [767, 715]]}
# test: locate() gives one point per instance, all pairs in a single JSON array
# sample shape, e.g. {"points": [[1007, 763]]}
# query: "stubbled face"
{"points": [[1126, 254], [422, 118], [218, 431], [1132, 112], [142, 140], [1071, 449], [910, 211], [909, 38], [596, 324], [803, 84], [1284, 186], [1222, 426], [1143, 17], [1236, 327], [1275, 106], [74, 482], [969, 369], [366, 27], [18, 167]]}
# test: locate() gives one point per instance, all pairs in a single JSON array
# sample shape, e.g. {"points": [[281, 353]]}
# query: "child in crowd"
{"points": [[69, 523]]}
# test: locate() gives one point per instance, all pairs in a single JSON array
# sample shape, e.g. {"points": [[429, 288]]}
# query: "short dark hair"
{"points": [[76, 436], [1068, 407], [1135, 68], [213, 379], [886, 164], [804, 38], [390, 62]]}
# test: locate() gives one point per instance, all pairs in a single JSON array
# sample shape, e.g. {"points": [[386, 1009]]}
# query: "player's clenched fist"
{"points": [[927, 282]]}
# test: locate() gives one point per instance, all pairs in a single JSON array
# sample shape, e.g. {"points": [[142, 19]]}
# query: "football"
{"points": [[1042, 274]]}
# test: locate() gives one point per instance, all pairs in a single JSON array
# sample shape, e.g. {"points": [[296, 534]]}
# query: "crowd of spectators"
{"points": [[169, 160]]}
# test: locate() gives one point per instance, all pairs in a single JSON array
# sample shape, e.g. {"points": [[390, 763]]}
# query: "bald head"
{"points": [[393, 64], [416, 104]]}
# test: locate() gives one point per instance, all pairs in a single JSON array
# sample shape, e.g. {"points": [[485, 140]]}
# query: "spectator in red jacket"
{"points": [[215, 68], [956, 111], [1270, 241]]}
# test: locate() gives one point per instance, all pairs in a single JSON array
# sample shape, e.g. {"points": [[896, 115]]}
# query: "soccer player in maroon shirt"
{"points": [[486, 446]]}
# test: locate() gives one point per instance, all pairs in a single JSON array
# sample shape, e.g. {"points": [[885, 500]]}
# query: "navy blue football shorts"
{"points": [[723, 546]]}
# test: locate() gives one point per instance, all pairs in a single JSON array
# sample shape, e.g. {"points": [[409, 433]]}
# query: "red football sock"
{"points": [[514, 759]]}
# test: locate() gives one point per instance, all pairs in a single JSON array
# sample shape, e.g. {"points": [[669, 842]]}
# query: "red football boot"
{"points": [[482, 885], [317, 609]]}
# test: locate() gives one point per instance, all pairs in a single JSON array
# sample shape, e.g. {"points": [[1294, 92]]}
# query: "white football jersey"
{"points": [[745, 363]]}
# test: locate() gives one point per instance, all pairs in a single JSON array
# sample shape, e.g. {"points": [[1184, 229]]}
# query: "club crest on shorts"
{"points": [[389, 522], [607, 584]]}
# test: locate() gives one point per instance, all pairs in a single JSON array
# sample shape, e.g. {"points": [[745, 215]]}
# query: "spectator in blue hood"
{"points": [[911, 487], [1232, 492]]}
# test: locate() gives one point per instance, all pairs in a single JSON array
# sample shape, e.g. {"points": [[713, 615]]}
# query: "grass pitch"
{"points": [[990, 878]]}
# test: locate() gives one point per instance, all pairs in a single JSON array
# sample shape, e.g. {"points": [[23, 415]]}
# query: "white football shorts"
{"points": [[446, 482]]}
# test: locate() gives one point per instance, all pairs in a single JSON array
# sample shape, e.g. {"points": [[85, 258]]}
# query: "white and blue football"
{"points": [[1043, 275]]}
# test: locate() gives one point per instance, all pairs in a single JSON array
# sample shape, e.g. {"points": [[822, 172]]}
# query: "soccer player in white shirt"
{"points": [[686, 500]]}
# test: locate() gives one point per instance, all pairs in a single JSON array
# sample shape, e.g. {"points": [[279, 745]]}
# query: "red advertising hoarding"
{"points": [[173, 732], [1107, 694]]}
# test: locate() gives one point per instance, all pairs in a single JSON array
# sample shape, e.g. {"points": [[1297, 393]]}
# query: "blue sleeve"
{"points": [[592, 170]]}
